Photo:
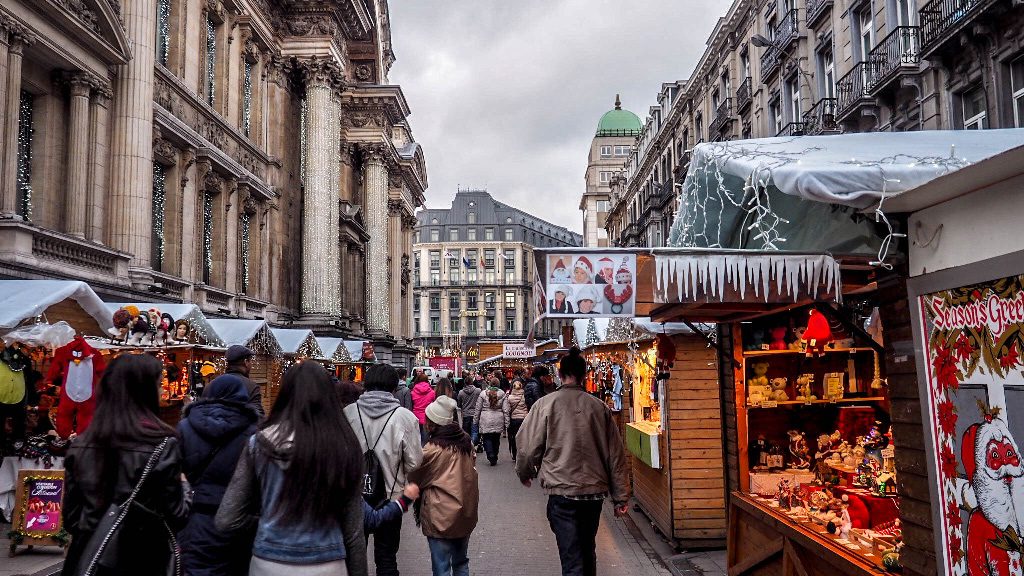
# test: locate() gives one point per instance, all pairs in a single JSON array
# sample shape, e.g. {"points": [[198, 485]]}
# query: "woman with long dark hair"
{"points": [[298, 480], [104, 465], [493, 416]]}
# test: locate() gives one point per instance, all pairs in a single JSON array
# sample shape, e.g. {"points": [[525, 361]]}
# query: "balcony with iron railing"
{"points": [[816, 9], [821, 118], [942, 19], [899, 52], [679, 173], [792, 129], [723, 115], [853, 89], [744, 94], [787, 31]]}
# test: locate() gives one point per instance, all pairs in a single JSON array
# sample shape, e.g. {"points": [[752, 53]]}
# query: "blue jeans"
{"points": [[449, 556]]}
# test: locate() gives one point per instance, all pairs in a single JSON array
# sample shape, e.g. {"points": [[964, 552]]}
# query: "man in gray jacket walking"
{"points": [[402, 392]]}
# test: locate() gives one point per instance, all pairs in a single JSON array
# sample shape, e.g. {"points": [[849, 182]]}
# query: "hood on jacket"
{"points": [[277, 446], [422, 388], [222, 411], [375, 403]]}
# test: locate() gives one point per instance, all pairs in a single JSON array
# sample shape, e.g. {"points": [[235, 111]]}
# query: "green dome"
{"points": [[619, 122]]}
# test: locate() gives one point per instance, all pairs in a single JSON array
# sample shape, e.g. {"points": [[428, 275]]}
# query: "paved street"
{"points": [[513, 538]]}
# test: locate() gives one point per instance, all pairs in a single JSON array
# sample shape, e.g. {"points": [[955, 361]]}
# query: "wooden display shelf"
{"points": [[804, 402], [754, 353]]}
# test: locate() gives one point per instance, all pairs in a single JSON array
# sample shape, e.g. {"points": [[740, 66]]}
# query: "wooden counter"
{"points": [[764, 541]]}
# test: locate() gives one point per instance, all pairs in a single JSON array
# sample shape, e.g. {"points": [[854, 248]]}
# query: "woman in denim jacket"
{"points": [[298, 481]]}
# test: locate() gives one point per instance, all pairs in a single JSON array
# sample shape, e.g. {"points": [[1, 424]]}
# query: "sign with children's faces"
{"points": [[589, 285]]}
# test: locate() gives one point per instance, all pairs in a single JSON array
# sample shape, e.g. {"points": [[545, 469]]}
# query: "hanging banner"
{"points": [[590, 285], [975, 375]]}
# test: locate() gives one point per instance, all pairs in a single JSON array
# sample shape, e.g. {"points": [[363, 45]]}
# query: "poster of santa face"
{"points": [[975, 374], [585, 285]]}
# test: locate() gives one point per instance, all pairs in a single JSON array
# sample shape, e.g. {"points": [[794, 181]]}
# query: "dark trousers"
{"points": [[492, 443], [385, 547], [467, 427], [513, 427], [575, 524]]}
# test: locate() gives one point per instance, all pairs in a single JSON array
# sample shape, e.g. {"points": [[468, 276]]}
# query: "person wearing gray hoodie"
{"points": [[393, 433]]}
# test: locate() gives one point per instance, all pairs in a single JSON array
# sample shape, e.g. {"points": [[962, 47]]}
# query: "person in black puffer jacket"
{"points": [[213, 432], [535, 386]]}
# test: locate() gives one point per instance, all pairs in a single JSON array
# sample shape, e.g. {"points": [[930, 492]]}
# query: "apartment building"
{"points": [[473, 271], [812, 67], [612, 144]]}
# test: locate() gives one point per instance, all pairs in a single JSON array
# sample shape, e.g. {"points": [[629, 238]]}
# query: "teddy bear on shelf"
{"points": [[803, 388], [778, 338], [779, 389], [798, 344], [758, 388]]}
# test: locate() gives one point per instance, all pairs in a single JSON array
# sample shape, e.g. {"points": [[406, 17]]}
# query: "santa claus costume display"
{"points": [[76, 368]]}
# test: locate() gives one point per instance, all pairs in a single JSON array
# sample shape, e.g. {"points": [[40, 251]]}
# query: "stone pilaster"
{"points": [[19, 39], [334, 257], [99, 162], [232, 240], [131, 157], [319, 208], [77, 187], [378, 300], [5, 28], [395, 258]]}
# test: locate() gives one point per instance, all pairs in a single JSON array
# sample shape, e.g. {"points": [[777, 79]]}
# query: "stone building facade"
{"points": [[811, 67], [612, 144], [246, 155], [474, 271]]}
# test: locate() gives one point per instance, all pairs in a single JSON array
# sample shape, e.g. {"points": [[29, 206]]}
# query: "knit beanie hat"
{"points": [[440, 411]]}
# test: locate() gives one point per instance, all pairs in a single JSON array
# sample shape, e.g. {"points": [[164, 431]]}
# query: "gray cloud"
{"points": [[506, 95]]}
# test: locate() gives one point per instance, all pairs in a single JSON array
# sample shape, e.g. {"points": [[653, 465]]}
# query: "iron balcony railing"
{"points": [[792, 129], [853, 88], [941, 19], [744, 95], [684, 164], [784, 34], [816, 9], [821, 118], [900, 50], [723, 114]]}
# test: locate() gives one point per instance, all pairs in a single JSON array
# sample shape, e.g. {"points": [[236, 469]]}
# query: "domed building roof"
{"points": [[619, 122]]}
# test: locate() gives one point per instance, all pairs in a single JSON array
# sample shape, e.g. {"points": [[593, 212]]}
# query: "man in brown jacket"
{"points": [[570, 442], [449, 488]]}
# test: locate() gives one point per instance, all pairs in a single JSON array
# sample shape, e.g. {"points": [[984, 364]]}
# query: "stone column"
{"points": [[77, 187], [319, 277], [334, 258], [131, 158], [99, 162], [19, 39], [395, 269], [378, 293], [232, 239], [6, 25]]}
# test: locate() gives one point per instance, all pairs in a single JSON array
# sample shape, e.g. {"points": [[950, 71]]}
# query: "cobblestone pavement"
{"points": [[513, 537]]}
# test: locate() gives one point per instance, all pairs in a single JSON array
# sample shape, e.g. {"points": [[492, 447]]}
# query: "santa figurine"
{"points": [[818, 334], [993, 467], [76, 368]]}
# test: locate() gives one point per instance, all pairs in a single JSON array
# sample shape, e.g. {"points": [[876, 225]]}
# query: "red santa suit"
{"points": [[76, 368], [993, 465]]}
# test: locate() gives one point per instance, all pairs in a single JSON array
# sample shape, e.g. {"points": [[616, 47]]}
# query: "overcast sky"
{"points": [[506, 95]]}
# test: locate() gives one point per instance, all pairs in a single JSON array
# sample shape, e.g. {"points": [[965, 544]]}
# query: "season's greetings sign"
{"points": [[975, 374]]}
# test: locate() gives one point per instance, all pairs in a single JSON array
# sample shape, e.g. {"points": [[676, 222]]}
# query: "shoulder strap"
{"points": [[148, 468], [383, 428]]}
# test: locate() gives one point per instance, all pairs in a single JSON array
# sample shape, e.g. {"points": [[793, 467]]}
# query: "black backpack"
{"points": [[375, 491]]}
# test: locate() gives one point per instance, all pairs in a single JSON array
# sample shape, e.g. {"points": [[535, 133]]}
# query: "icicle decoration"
{"points": [[26, 130], [158, 214], [245, 253], [303, 112], [247, 97], [710, 276], [163, 31], [211, 60]]}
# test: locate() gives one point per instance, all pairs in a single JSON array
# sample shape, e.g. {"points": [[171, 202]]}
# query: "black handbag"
{"points": [[102, 547]]}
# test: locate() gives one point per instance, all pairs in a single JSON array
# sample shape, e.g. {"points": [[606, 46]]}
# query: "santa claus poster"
{"points": [[975, 378], [587, 285]]}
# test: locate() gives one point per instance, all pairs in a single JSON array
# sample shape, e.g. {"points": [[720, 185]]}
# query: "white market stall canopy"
{"points": [[21, 301], [755, 193], [334, 349], [355, 349], [618, 330], [254, 334], [199, 326], [298, 341]]}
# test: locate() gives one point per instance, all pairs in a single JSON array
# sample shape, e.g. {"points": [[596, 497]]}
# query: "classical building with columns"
{"points": [[246, 155]]}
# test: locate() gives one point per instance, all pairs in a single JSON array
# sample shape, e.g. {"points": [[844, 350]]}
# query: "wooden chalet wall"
{"points": [[918, 555], [727, 370]]}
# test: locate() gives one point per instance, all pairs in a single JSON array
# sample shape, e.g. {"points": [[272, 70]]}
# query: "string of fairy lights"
{"points": [[207, 236], [159, 206], [211, 59], [26, 129], [163, 29], [245, 251], [247, 96]]}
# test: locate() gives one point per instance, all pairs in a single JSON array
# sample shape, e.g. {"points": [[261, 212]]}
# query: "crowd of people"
{"points": [[300, 491]]}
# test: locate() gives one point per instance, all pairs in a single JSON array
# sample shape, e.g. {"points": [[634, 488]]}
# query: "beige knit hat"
{"points": [[441, 411]]}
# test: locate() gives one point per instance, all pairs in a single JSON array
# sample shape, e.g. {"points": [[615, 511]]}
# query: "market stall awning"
{"points": [[333, 349], [255, 334], [74, 302], [755, 193], [355, 349], [298, 341], [199, 326]]}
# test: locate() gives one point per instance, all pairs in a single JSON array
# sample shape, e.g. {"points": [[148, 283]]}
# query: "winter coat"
{"points": [[422, 396], [144, 546], [374, 518], [404, 396], [517, 408], [255, 396], [450, 493], [490, 420], [533, 391], [467, 399], [398, 450], [255, 490], [570, 437], [213, 432]]}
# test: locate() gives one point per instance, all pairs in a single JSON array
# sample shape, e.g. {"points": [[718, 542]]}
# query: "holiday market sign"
{"points": [[516, 350], [975, 375]]}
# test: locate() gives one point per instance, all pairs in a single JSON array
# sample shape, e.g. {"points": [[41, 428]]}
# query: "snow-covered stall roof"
{"points": [[753, 193], [68, 300], [255, 334], [355, 349], [334, 349], [199, 326], [298, 341], [615, 330]]}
